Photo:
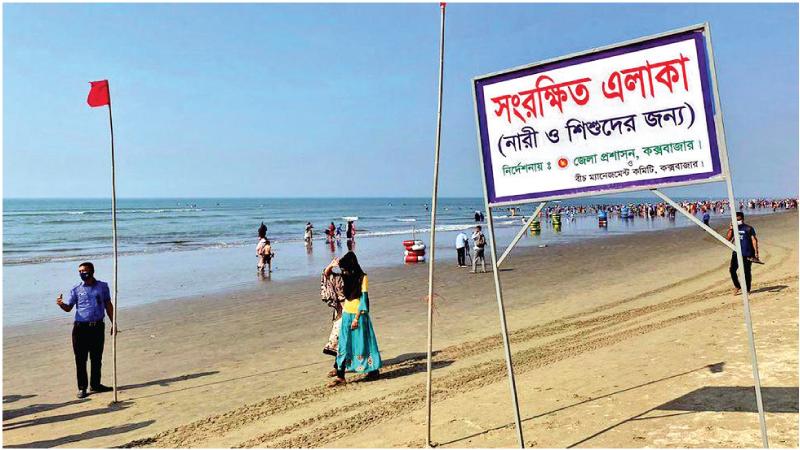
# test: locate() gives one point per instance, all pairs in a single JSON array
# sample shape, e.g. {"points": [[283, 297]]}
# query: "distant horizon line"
{"points": [[369, 198]]}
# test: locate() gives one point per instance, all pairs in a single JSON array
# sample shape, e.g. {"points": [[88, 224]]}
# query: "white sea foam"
{"points": [[152, 211], [452, 227], [100, 211]]}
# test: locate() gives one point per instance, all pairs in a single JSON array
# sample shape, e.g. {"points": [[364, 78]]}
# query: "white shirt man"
{"points": [[461, 248]]}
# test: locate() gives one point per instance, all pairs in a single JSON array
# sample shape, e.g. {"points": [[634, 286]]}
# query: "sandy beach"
{"points": [[626, 341]]}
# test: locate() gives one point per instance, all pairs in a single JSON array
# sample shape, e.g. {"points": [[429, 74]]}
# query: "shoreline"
{"points": [[368, 234], [182, 275]]}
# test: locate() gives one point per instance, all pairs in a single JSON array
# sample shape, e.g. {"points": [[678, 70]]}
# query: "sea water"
{"points": [[171, 248]]}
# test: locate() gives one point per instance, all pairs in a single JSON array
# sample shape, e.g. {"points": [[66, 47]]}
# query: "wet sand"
{"points": [[630, 341]]}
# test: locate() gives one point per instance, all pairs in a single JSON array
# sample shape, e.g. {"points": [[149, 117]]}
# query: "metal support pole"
{"points": [[114, 237], [521, 232], [747, 319], [506, 344], [694, 219], [732, 206], [435, 196]]}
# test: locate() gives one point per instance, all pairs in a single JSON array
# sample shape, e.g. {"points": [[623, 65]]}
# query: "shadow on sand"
{"points": [[168, 381], [776, 288], [15, 397], [735, 399], [165, 382], [407, 357], [64, 417], [718, 399], [37, 408], [407, 368], [108, 431], [714, 368]]}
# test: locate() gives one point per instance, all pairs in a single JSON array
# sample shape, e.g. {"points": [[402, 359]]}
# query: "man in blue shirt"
{"points": [[747, 236], [706, 216], [92, 301]]}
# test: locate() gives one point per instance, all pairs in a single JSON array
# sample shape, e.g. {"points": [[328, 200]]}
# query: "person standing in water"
{"points": [[268, 255], [331, 231], [357, 348], [262, 242], [308, 236]]}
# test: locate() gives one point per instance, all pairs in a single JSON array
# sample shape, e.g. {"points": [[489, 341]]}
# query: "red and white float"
{"points": [[414, 251]]}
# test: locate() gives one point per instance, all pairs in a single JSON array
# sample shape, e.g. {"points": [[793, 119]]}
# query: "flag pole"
{"points": [[433, 225], [114, 236]]}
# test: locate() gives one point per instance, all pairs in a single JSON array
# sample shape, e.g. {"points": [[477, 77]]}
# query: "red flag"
{"points": [[98, 95]]}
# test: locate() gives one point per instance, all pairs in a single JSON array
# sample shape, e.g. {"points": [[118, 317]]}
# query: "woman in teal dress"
{"points": [[358, 348]]}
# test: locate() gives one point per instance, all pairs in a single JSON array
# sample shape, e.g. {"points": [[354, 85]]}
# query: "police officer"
{"points": [[91, 300]]}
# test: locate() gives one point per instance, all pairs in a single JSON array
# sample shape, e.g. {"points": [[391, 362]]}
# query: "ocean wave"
{"points": [[151, 211], [97, 211], [71, 221], [42, 213], [406, 220], [285, 222], [176, 241], [394, 232]]}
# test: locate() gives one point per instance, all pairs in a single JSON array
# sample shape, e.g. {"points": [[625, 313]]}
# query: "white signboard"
{"points": [[632, 116]]}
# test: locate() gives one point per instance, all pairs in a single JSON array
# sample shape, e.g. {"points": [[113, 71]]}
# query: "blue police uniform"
{"points": [[88, 331]]}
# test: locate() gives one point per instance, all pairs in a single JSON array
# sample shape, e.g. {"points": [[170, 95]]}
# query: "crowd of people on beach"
{"points": [[332, 232], [661, 209]]}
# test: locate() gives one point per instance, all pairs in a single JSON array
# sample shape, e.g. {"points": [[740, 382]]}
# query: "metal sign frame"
{"points": [[698, 33], [723, 175]]}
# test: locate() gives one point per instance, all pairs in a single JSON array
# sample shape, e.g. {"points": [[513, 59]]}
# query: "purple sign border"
{"points": [[705, 80]]}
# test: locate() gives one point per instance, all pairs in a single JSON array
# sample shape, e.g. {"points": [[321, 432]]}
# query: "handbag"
{"points": [[331, 291]]}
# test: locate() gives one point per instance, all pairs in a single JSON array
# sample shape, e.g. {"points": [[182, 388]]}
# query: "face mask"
{"points": [[84, 276], [740, 222]]}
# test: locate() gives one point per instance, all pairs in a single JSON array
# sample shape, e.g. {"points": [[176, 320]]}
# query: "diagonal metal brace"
{"points": [[695, 220], [521, 232]]}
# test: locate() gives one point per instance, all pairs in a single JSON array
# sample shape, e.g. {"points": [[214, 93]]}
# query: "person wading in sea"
{"points": [[260, 253]]}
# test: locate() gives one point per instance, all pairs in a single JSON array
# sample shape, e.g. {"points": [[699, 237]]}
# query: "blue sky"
{"points": [[312, 100]]}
